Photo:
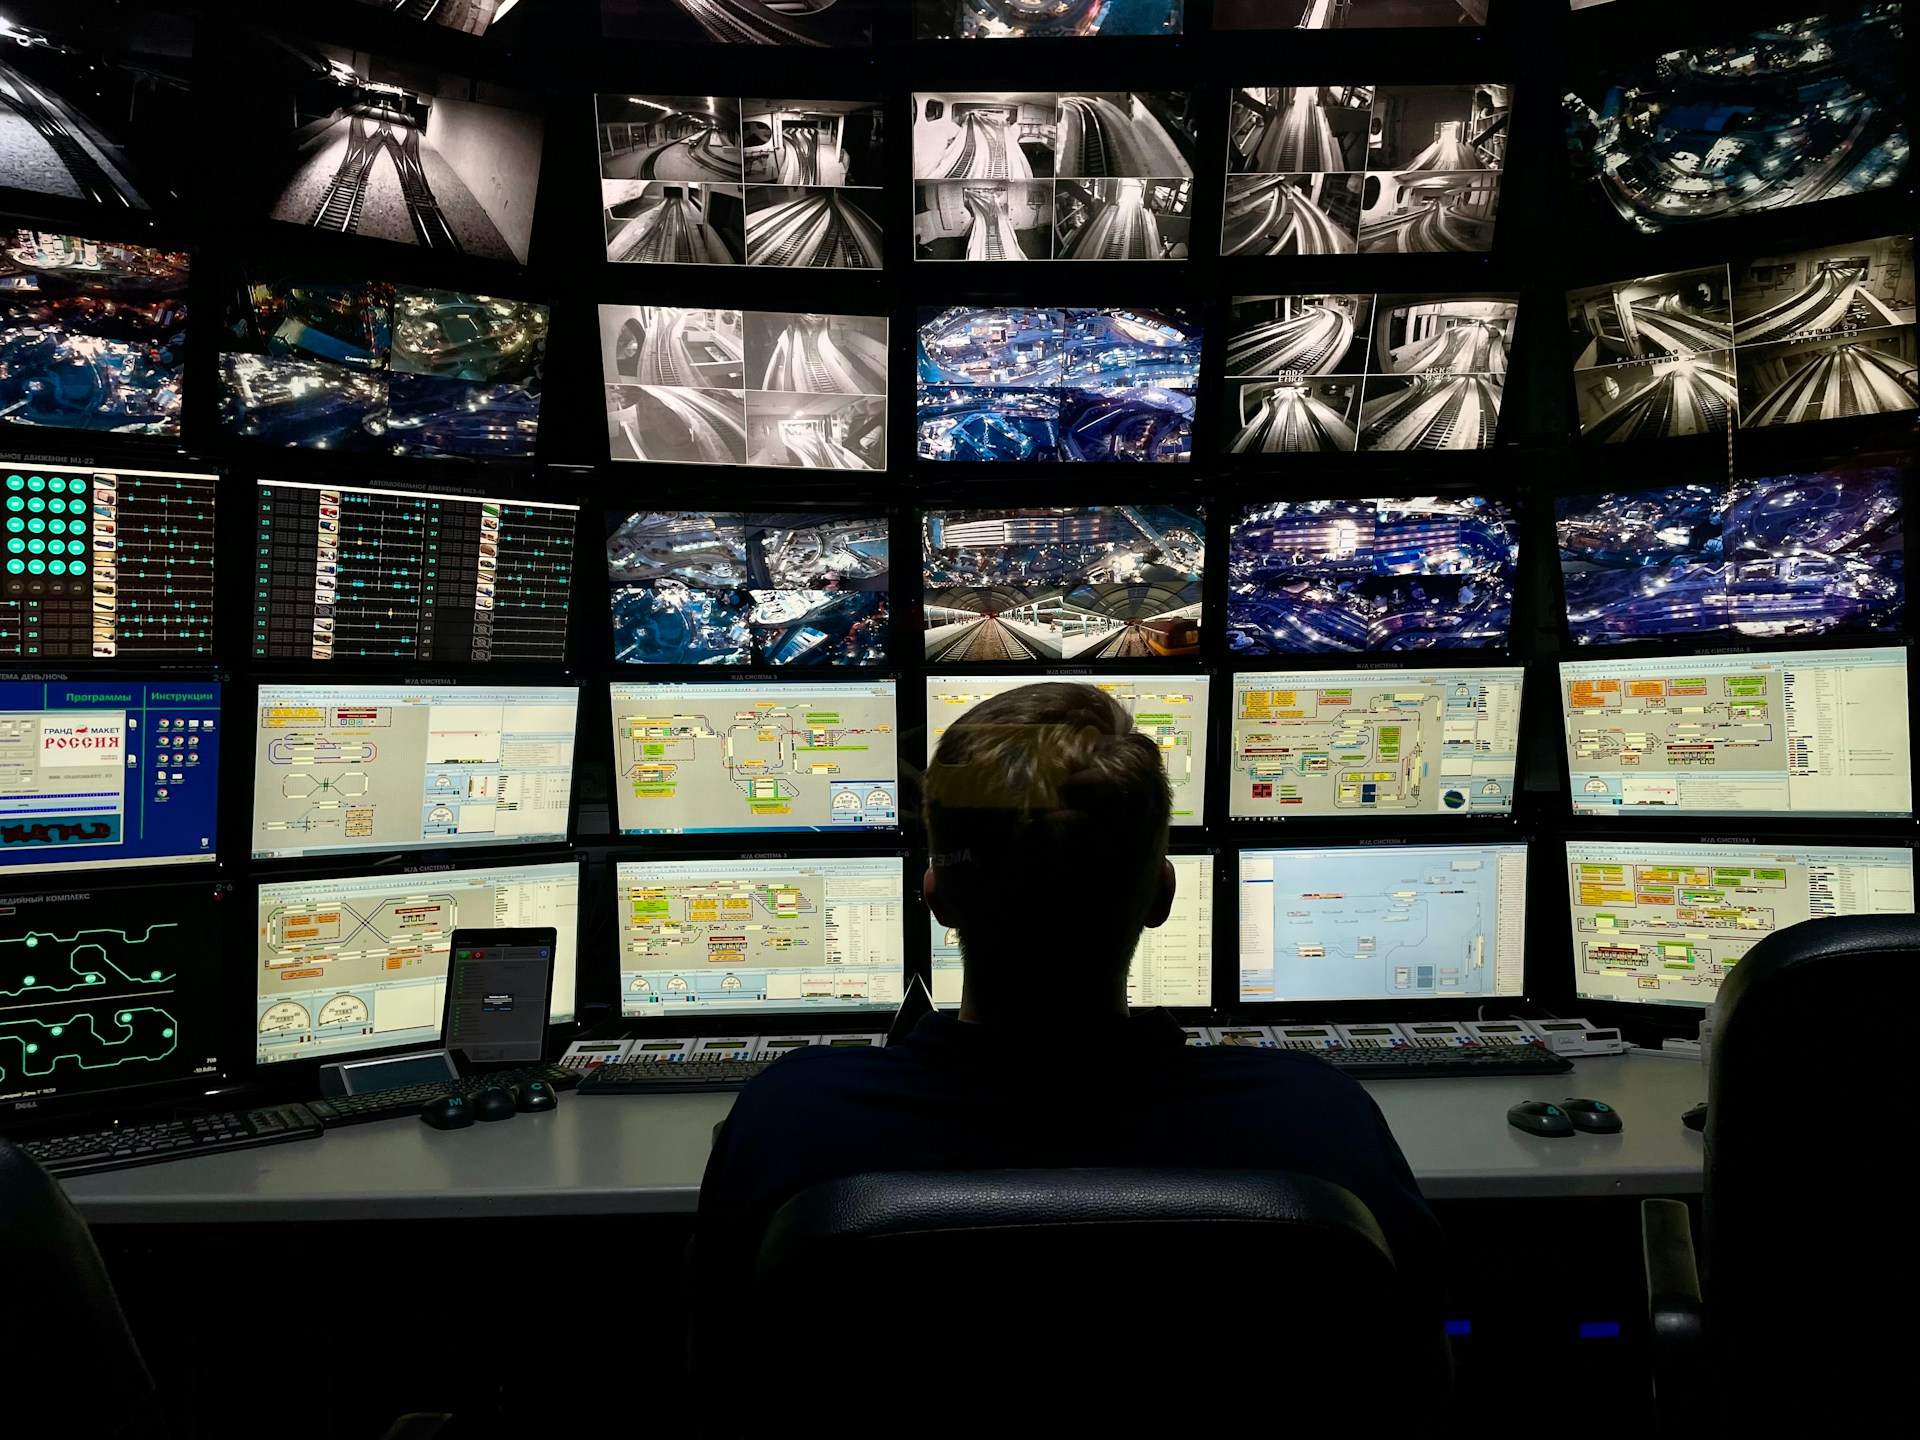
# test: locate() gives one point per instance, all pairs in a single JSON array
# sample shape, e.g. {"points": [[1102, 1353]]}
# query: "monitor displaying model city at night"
{"points": [[1334, 576], [1823, 334], [1811, 109], [1026, 583], [702, 588], [1019, 383], [1821, 553]]}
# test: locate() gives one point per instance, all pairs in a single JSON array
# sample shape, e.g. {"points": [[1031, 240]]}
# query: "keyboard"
{"points": [[407, 1099], [125, 1146], [1423, 1063], [671, 1077]]}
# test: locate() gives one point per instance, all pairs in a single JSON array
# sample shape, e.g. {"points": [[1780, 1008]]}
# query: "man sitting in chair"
{"points": [[1046, 815]]}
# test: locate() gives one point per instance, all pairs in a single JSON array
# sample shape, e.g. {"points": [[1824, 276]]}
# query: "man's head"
{"points": [[1047, 817]]}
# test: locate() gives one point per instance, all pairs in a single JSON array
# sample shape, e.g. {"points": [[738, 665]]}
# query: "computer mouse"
{"points": [[1696, 1118], [535, 1095], [449, 1112], [1537, 1117], [494, 1103], [1596, 1117]]}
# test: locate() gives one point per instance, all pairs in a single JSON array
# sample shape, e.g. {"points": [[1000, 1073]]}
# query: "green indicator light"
{"points": [[36, 504], [36, 567], [36, 526], [167, 1034], [31, 1047], [27, 979], [76, 567], [124, 1016], [36, 483], [56, 527], [56, 567], [16, 482], [14, 502], [15, 524], [58, 1031], [16, 547], [154, 975], [36, 546], [16, 567], [76, 547]]}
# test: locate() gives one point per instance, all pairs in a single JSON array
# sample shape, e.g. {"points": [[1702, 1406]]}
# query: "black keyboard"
{"points": [[125, 1146], [1423, 1063], [407, 1099], [670, 1077]]}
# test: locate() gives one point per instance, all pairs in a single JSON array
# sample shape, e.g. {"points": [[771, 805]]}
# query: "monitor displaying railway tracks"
{"points": [[372, 368], [1170, 710], [803, 587], [745, 387], [100, 99], [1322, 373], [713, 180], [1820, 334], [1423, 573], [1382, 169], [391, 149], [1083, 583], [1049, 175]]}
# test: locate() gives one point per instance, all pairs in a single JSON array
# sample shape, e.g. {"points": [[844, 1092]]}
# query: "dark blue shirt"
{"points": [[955, 1096]]}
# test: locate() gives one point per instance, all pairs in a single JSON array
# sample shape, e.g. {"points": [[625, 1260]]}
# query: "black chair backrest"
{"points": [[1077, 1287], [1805, 1217], [65, 1340]]}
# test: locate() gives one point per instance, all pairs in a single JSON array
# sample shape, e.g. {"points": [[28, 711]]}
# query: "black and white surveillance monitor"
{"points": [[1172, 965], [356, 963], [1170, 710], [1388, 922], [1664, 923], [340, 769], [1815, 732], [1349, 743], [760, 937], [718, 756]]}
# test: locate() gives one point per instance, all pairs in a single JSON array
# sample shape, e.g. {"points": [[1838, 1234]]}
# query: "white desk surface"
{"points": [[644, 1154]]}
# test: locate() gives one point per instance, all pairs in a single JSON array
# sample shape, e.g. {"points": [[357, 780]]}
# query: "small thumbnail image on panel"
{"points": [[701, 588], [1036, 384], [1119, 582], [93, 333], [101, 100], [817, 24], [1049, 20], [1777, 556], [1422, 573], [1812, 108], [1351, 14]]}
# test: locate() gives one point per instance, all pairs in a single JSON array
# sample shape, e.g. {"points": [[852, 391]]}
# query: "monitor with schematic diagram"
{"points": [[760, 936], [1386, 922], [353, 963], [345, 768], [1664, 922]]}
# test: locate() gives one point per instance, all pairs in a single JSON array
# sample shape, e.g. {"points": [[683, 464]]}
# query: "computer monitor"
{"points": [[1169, 710], [718, 756], [106, 564], [1794, 732], [760, 937], [358, 572], [1664, 922], [1331, 743], [105, 992], [1389, 922], [106, 773], [351, 963], [1172, 965], [345, 768]]}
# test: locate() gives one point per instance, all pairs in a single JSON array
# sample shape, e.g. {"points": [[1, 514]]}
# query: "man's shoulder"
{"points": [[1280, 1070]]}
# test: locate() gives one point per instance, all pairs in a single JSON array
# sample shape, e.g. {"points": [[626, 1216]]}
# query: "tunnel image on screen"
{"points": [[93, 102], [1428, 573], [1814, 553], [1045, 19], [393, 149], [1324, 373], [807, 587], [1042, 175], [731, 387], [92, 334], [1119, 582], [1384, 169], [1056, 385], [1810, 109], [467, 17], [368, 367], [820, 23], [704, 180], [1349, 14]]}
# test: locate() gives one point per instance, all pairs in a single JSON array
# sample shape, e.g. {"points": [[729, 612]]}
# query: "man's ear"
{"points": [[1162, 905], [936, 901]]}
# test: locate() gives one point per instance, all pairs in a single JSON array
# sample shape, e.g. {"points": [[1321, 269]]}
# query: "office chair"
{"points": [[993, 1293], [62, 1327], [1790, 1315]]}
